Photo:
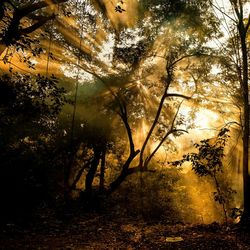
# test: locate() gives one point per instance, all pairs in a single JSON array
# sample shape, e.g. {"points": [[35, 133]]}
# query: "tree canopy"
{"points": [[103, 95]]}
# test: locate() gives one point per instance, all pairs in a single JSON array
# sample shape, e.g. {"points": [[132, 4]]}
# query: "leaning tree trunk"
{"points": [[125, 172]]}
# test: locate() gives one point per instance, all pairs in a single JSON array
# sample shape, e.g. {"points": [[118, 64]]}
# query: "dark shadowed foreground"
{"points": [[106, 231]]}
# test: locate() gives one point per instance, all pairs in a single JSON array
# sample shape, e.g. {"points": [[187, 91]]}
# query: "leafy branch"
{"points": [[208, 161]]}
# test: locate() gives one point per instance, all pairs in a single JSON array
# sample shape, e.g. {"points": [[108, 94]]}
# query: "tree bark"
{"points": [[242, 28], [102, 171], [67, 174], [132, 153], [79, 175], [91, 174], [245, 89], [124, 173], [14, 32], [2, 48], [149, 158], [158, 113]]}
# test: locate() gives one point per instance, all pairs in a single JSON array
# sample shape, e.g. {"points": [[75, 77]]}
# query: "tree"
{"points": [[127, 61], [14, 16], [238, 39], [176, 54], [152, 55], [94, 146], [208, 161], [29, 106], [243, 27]]}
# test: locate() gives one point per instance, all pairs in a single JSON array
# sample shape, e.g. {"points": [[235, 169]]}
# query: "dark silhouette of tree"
{"points": [[29, 106], [243, 27], [239, 47], [132, 56], [13, 30]]}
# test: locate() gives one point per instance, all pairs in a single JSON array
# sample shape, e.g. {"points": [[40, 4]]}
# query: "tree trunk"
{"points": [[79, 175], [246, 177], [67, 172], [91, 174], [124, 173], [102, 171], [158, 113], [2, 48]]}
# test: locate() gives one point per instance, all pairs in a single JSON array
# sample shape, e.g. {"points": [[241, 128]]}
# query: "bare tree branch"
{"points": [[37, 25], [222, 12], [248, 23], [178, 95], [187, 56], [29, 8], [171, 131]]}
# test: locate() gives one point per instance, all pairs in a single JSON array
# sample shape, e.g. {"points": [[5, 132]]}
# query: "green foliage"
{"points": [[208, 160], [32, 95], [29, 107], [151, 195]]}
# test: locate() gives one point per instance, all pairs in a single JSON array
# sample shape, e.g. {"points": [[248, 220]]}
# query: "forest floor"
{"points": [[106, 231]]}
